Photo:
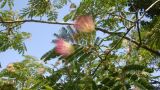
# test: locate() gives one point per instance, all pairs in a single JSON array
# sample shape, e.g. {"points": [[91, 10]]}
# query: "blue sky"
{"points": [[40, 41]]}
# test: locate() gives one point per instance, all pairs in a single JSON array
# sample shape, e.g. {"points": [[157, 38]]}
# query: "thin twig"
{"points": [[93, 74], [138, 29]]}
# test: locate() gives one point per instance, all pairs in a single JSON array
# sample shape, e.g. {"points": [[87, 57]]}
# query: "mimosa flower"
{"points": [[84, 24], [64, 48], [9, 65], [10, 68]]}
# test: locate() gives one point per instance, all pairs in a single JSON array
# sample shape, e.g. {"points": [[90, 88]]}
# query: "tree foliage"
{"points": [[122, 53], [28, 74]]}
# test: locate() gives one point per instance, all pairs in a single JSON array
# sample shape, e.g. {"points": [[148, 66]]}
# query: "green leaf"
{"points": [[50, 55], [94, 86], [133, 67], [83, 57], [75, 55], [4, 3], [48, 87], [69, 16], [145, 84]]}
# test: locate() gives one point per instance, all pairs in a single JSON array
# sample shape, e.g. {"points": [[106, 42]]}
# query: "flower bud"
{"points": [[58, 63], [41, 71], [107, 51], [72, 6]]}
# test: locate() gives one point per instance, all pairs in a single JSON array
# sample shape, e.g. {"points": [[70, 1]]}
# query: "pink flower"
{"points": [[84, 24], [64, 48]]}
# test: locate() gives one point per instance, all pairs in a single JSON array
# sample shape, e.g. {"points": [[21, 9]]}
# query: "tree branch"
{"points": [[128, 30], [133, 41], [36, 21], [122, 36], [49, 22]]}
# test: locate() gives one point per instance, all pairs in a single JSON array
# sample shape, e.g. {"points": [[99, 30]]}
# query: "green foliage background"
{"points": [[125, 57]]}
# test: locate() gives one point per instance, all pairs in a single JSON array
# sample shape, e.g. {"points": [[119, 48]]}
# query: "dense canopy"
{"points": [[102, 45]]}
